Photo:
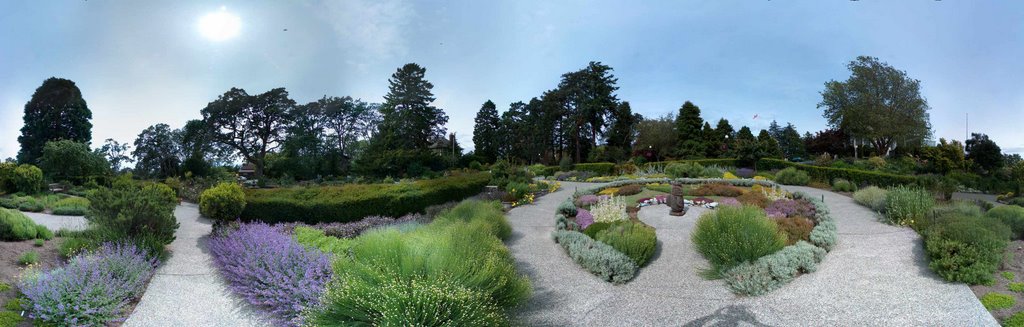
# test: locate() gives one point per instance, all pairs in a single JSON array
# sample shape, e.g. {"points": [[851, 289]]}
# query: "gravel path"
{"points": [[187, 289], [56, 223], [876, 276]]}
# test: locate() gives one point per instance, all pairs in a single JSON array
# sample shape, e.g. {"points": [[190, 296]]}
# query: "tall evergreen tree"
{"points": [[711, 141], [486, 132], [56, 111], [588, 97], [688, 129], [769, 148], [746, 148], [513, 132], [622, 132], [724, 134], [792, 145], [775, 131], [409, 119]]}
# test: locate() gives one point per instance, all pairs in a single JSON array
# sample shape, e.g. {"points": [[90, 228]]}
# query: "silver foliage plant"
{"points": [[598, 258]]}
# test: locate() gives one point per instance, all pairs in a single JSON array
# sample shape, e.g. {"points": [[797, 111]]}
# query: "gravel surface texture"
{"points": [[187, 289], [56, 223], [877, 276]]}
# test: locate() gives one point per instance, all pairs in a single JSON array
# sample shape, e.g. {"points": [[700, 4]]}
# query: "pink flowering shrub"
{"points": [[729, 202], [586, 200], [584, 218], [790, 208]]}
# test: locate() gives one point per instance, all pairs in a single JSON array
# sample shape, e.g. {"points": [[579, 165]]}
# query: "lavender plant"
{"points": [[92, 289], [271, 270], [353, 229], [790, 208]]}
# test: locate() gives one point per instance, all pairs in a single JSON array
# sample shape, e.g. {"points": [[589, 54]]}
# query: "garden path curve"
{"points": [[55, 223], [877, 275], [187, 289]]}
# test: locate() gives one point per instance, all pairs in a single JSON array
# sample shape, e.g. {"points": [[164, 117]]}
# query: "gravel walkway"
{"points": [[876, 276], [187, 289], [56, 223]]}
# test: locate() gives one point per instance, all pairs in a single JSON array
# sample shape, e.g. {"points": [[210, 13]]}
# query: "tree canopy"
{"points": [[156, 152], [984, 152], [690, 142], [71, 161], [252, 125], [486, 132], [879, 104], [56, 111]]}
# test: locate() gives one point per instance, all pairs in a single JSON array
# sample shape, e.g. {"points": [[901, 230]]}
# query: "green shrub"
{"points": [[71, 206], [599, 168], [827, 173], [772, 271], [31, 205], [796, 228], [732, 235], [473, 211], [792, 176], [842, 185], [567, 208], [965, 248], [635, 240], [598, 258], [1008, 275], [71, 246], [1012, 216], [43, 233], [685, 170], [631, 189], [352, 202], [222, 202], [1016, 320], [872, 197], [16, 304], [315, 238], [592, 230], [39, 242], [15, 226], [144, 214], [28, 258], [10, 319], [4, 287], [996, 301], [905, 204], [28, 179], [1016, 287]]}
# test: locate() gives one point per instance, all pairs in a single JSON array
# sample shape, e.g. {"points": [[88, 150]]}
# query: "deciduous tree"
{"points": [[56, 111], [252, 125]]}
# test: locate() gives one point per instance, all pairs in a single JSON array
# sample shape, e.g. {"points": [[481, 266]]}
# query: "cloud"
{"points": [[374, 29]]}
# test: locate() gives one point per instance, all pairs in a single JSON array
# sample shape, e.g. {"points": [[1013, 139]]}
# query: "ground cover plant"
{"points": [[964, 247]]}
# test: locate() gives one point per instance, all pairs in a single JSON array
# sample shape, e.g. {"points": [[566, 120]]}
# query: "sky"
{"points": [[140, 63]]}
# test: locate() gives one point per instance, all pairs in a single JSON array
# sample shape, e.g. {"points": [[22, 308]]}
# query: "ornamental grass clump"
{"points": [[93, 289], [71, 206], [271, 270], [1012, 216], [904, 204], [609, 210], [842, 185], [634, 239], [872, 197], [730, 236], [15, 226]]}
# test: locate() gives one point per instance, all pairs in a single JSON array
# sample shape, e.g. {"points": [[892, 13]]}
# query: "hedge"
{"points": [[352, 202], [829, 173], [599, 168], [728, 162]]}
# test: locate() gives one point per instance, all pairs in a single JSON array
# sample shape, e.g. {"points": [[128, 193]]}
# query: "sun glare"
{"points": [[220, 25]]}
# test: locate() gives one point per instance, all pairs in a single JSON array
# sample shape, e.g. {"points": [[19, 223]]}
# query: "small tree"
{"points": [[945, 156], [984, 153], [67, 160]]}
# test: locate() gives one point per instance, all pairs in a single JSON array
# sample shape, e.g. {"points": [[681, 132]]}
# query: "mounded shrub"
{"points": [[965, 248], [828, 173], [1012, 216], [790, 208], [634, 239], [598, 258], [729, 236], [599, 168], [772, 271], [905, 204], [792, 176], [584, 218], [796, 228], [222, 202], [630, 190], [28, 179], [684, 169], [718, 189], [71, 206], [757, 199], [872, 197], [15, 226], [352, 202], [842, 185], [144, 214], [568, 209], [609, 210]]}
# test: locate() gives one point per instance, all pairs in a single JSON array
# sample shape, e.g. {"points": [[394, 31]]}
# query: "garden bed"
{"points": [[1008, 281]]}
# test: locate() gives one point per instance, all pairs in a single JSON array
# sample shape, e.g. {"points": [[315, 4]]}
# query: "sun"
{"points": [[220, 25]]}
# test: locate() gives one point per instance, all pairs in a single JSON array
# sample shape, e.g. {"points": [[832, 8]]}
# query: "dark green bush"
{"points": [[634, 239], [826, 173], [31, 205], [222, 202], [352, 202], [684, 169], [598, 258], [732, 235], [595, 228], [842, 185], [965, 248], [144, 214], [1012, 216], [15, 226], [567, 208], [792, 176], [599, 168]]}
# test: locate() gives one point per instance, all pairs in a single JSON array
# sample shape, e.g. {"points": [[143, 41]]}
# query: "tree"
{"points": [[67, 160], [156, 152], [878, 104], [252, 125], [775, 131], [587, 98], [832, 141], [768, 147], [791, 144], [486, 141], [56, 111], [304, 150], [984, 153], [746, 148], [198, 149], [688, 130], [513, 132], [350, 121], [656, 137], [622, 132], [724, 135], [711, 140], [945, 156], [116, 153]]}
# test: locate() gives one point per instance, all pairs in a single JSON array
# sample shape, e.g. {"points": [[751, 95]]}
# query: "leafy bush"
{"points": [[27, 179], [1012, 216], [681, 170], [568, 209], [111, 276], [826, 173], [635, 240], [729, 236], [584, 218], [796, 228], [609, 210], [488, 214], [772, 271], [31, 205], [965, 248], [904, 204], [28, 258], [757, 199], [352, 202], [144, 214], [630, 190], [599, 168], [15, 226], [222, 202], [271, 270], [598, 258], [872, 197], [711, 172], [996, 301], [719, 189], [792, 176], [71, 206], [842, 185]]}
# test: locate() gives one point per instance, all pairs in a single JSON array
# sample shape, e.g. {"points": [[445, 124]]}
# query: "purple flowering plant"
{"points": [[790, 208], [270, 270], [584, 218], [92, 289]]}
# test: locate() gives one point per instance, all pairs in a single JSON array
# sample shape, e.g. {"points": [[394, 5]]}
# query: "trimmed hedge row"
{"points": [[599, 168], [352, 202], [829, 173], [728, 162]]}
